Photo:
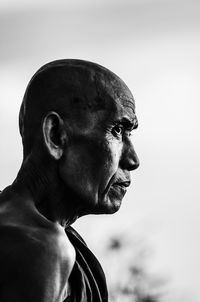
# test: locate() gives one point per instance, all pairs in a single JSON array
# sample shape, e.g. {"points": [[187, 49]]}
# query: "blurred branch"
{"points": [[137, 284]]}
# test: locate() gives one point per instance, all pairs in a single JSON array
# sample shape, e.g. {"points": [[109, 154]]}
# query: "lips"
{"points": [[123, 184], [119, 182], [120, 188]]}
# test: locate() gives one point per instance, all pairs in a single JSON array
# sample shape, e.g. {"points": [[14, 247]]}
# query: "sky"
{"points": [[154, 46]]}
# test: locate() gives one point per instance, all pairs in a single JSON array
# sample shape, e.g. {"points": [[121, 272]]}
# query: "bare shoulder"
{"points": [[23, 229], [35, 245], [35, 256], [34, 265]]}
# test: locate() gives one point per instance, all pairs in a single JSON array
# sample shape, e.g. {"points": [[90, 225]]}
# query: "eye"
{"points": [[117, 130]]}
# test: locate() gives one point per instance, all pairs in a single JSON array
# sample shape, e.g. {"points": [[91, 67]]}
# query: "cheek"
{"points": [[77, 176], [83, 164], [90, 165], [112, 157]]}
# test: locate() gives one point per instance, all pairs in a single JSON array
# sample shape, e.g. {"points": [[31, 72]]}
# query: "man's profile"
{"points": [[75, 121]]}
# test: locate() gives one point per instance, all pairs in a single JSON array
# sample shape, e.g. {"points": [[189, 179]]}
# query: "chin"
{"points": [[115, 196], [114, 206], [110, 204]]}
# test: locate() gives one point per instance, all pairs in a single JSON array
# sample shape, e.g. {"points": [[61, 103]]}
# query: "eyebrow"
{"points": [[131, 125]]}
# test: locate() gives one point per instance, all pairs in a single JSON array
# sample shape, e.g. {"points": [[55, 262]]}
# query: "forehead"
{"points": [[120, 103], [107, 99], [88, 91]]}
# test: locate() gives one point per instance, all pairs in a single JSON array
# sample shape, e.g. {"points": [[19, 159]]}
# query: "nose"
{"points": [[129, 158]]}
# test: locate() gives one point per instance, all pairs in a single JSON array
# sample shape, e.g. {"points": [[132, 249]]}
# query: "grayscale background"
{"points": [[154, 46]]}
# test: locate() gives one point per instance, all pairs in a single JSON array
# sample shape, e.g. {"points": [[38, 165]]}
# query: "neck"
{"points": [[38, 181]]}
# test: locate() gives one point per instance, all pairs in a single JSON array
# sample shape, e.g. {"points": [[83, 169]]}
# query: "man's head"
{"points": [[81, 114]]}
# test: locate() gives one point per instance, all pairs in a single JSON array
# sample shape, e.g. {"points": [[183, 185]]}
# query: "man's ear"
{"points": [[54, 133]]}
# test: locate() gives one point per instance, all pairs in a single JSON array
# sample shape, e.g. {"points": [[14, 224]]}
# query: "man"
{"points": [[75, 121]]}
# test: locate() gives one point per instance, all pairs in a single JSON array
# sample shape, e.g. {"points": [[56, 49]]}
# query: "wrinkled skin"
{"points": [[75, 122], [101, 149]]}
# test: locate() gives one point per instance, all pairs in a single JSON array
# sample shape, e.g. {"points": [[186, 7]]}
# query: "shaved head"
{"points": [[67, 87]]}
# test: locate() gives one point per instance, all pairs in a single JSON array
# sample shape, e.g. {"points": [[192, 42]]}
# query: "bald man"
{"points": [[75, 121]]}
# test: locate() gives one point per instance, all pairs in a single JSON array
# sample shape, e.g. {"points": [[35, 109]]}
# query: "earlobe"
{"points": [[54, 134]]}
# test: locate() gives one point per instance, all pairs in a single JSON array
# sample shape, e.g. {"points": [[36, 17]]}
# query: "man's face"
{"points": [[100, 155]]}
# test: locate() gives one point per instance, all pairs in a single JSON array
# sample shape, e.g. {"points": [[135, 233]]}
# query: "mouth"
{"points": [[119, 184], [120, 187], [122, 184]]}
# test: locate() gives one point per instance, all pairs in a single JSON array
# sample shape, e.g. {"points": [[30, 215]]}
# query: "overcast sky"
{"points": [[154, 47]]}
